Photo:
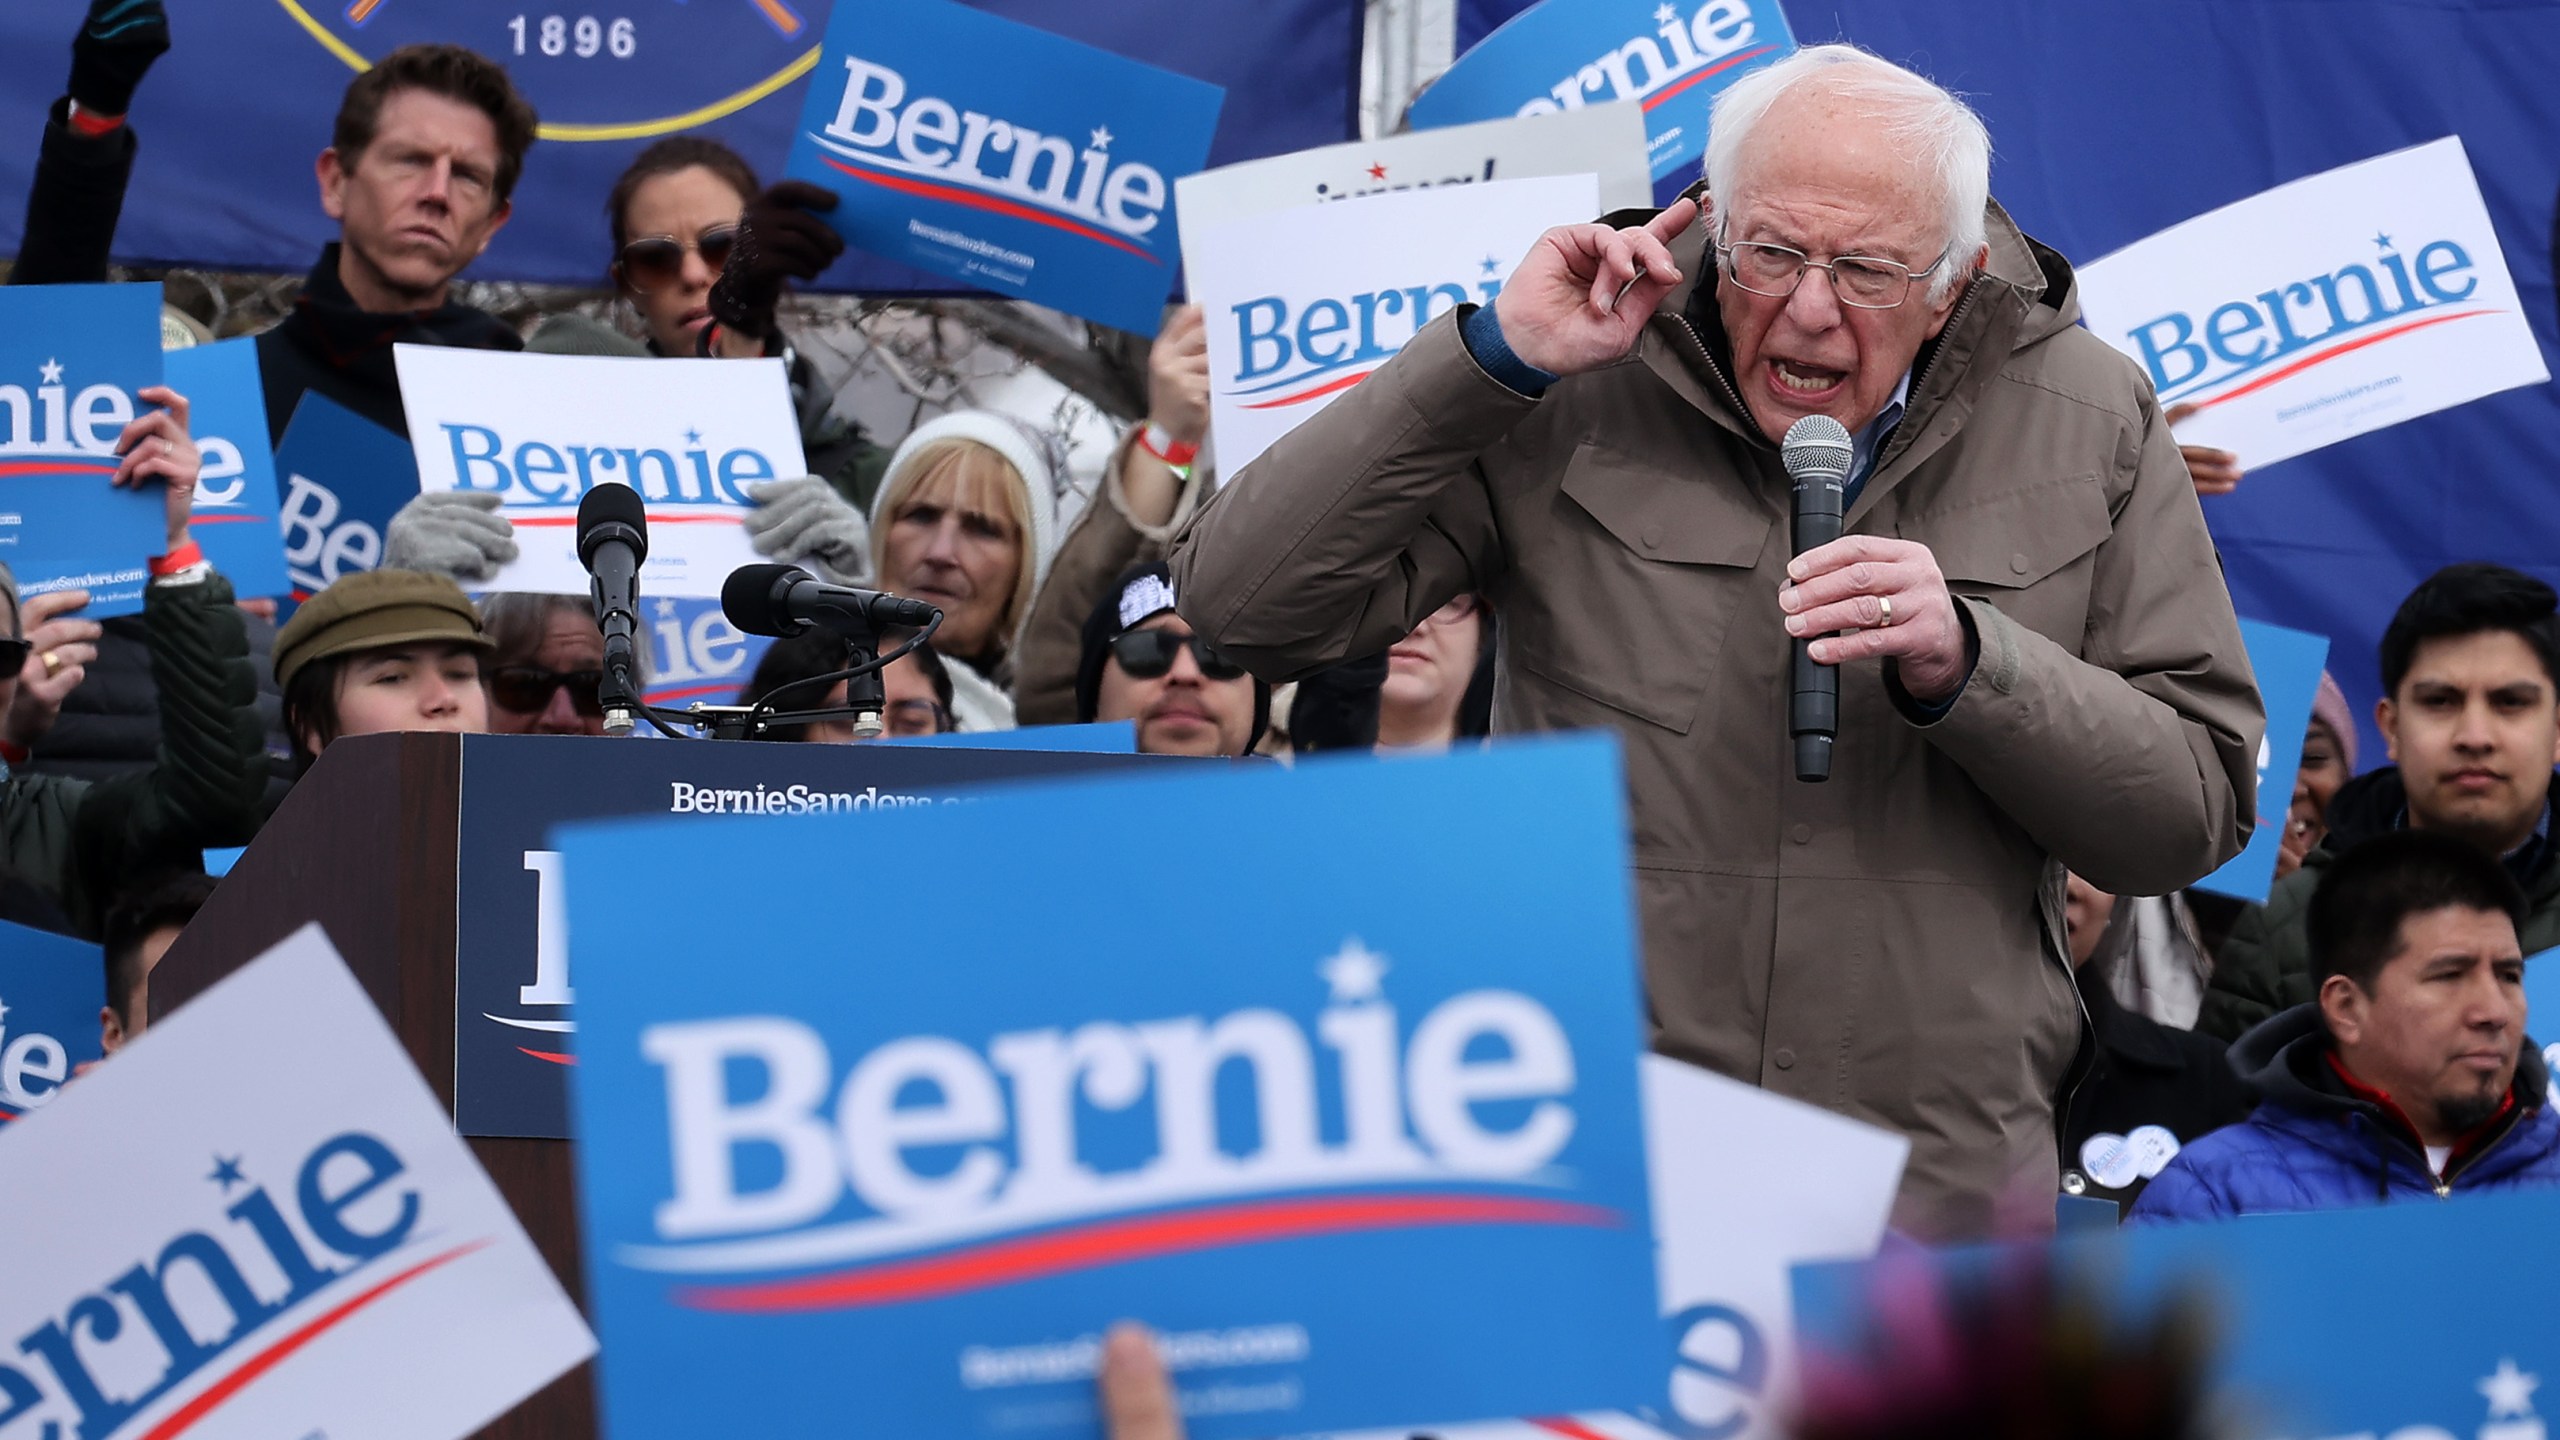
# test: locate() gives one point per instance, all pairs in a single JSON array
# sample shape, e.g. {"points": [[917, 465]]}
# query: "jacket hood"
{"points": [[2283, 1052], [2025, 293]]}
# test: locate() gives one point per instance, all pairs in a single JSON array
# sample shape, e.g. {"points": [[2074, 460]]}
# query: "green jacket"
{"points": [[80, 842], [2266, 964]]}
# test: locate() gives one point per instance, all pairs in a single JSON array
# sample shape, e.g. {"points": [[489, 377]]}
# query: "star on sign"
{"points": [[1492, 266], [1664, 15], [53, 372], [4, 1010], [2381, 241], [1354, 972], [1102, 138], [693, 437], [226, 1173], [1377, 172], [2509, 1391]]}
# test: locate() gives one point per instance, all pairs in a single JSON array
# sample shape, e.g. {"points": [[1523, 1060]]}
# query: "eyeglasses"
{"points": [[915, 717], [527, 689], [13, 657], [1146, 654], [1860, 281], [653, 261]]}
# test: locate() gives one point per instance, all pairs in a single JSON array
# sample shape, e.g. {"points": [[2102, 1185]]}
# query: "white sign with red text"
{"points": [[201, 1241], [2321, 309], [1304, 304], [540, 431]]}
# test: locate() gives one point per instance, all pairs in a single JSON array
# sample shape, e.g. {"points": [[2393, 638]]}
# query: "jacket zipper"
{"points": [[2444, 1182]]}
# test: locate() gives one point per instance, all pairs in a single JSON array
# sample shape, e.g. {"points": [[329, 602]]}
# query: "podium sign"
{"points": [[512, 1023]]}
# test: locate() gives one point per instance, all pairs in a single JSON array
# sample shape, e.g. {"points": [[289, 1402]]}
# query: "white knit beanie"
{"points": [[1008, 438]]}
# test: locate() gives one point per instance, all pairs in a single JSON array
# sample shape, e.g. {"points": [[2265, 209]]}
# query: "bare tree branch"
{"points": [[1086, 368]]}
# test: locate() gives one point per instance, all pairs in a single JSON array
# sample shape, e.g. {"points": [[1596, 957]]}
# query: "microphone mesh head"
{"points": [[1817, 450], [750, 597], [611, 503]]}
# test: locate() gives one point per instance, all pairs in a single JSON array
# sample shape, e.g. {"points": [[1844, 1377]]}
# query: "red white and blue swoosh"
{"points": [[246, 1372], [876, 169], [2249, 381], [55, 465], [1305, 386], [1124, 1239]]}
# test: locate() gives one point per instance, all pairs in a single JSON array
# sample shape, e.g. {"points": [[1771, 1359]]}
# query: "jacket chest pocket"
{"points": [[2030, 552], [1623, 592]]}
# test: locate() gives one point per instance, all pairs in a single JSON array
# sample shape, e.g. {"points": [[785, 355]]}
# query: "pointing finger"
{"points": [[1676, 217]]}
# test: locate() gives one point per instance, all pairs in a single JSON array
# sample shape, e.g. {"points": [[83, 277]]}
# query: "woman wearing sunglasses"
{"points": [[546, 660], [676, 217]]}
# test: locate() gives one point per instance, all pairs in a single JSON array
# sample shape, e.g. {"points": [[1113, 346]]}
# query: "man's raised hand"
{"points": [[1583, 294]]}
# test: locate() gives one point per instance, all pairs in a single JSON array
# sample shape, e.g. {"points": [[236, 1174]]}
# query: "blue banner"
{"points": [[224, 178], [2445, 1302], [235, 515], [1004, 156], [2288, 665], [1111, 737], [72, 358], [1378, 1163], [1673, 57], [51, 987], [343, 478]]}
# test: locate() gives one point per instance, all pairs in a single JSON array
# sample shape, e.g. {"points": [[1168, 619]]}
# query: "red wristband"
{"points": [[92, 126], [14, 753], [1156, 441], [179, 559]]}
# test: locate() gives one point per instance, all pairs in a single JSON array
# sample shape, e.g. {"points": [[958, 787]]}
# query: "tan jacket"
{"points": [[1887, 945]]}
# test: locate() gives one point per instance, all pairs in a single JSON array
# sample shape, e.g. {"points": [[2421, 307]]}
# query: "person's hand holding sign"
{"points": [[156, 446], [1583, 294]]}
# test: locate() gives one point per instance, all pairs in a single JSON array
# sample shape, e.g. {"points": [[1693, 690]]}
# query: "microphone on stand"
{"points": [[613, 538], [1817, 455]]}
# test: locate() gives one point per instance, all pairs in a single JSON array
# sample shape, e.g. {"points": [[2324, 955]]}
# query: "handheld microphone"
{"points": [[1817, 455], [613, 538], [784, 600]]}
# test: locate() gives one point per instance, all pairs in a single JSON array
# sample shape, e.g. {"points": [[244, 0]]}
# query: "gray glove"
{"points": [[805, 522], [454, 533]]}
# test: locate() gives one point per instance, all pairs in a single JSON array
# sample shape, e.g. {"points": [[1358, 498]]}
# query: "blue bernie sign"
{"points": [[2288, 665], [1004, 156], [1672, 57], [343, 478], [1369, 1155], [235, 518], [50, 989], [73, 359]]}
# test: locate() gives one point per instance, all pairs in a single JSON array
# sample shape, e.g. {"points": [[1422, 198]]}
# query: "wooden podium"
{"points": [[370, 844]]}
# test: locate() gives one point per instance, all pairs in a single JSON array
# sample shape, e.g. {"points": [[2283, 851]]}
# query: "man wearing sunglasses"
{"points": [[1142, 663], [2037, 660]]}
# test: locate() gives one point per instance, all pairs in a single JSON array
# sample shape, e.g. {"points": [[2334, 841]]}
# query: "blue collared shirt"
{"points": [[1869, 441]]}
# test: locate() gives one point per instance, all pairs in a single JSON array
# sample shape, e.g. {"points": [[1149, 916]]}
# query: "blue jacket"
{"points": [[2312, 1146]]}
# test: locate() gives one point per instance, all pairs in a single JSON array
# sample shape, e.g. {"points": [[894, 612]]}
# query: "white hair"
{"points": [[1917, 114]]}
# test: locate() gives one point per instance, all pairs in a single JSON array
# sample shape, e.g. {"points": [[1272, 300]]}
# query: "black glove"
{"points": [[778, 240], [116, 45], [1337, 708]]}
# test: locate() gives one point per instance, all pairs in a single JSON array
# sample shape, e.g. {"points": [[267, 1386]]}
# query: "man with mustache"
{"points": [[2408, 1076], [2471, 715], [426, 151], [1142, 663]]}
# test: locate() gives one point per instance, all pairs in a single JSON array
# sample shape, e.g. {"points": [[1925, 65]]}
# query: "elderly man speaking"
{"points": [[2038, 664]]}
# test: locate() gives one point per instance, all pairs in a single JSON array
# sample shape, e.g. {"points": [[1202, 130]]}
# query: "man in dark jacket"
{"points": [[2471, 713], [2410, 1074], [426, 151]]}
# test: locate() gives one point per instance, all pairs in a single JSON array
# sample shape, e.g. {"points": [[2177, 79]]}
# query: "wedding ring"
{"points": [[1884, 612], [52, 663]]}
